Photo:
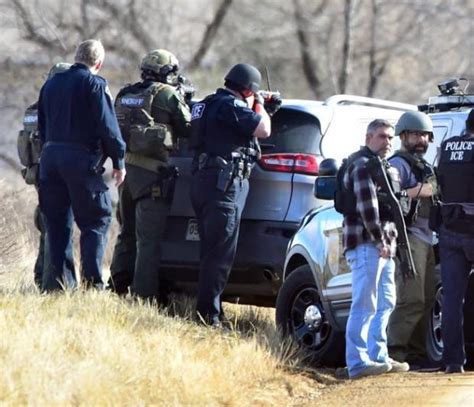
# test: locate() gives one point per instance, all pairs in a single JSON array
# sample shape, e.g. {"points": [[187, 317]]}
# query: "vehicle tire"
{"points": [[434, 340], [300, 314]]}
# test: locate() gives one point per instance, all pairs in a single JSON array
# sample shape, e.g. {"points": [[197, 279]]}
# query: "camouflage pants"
{"points": [[408, 323]]}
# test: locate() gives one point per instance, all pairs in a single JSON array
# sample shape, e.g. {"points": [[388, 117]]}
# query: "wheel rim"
{"points": [[435, 338], [308, 320]]}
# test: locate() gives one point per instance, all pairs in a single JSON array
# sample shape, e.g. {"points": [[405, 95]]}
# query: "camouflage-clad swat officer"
{"points": [[152, 116], [456, 239], [29, 150], [79, 129], [415, 296], [225, 126]]}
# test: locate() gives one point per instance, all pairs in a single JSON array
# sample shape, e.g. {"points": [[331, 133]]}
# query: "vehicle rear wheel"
{"points": [[434, 340], [301, 314]]}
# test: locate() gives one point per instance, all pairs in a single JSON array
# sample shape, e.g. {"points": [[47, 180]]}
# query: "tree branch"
{"points": [[210, 34]]}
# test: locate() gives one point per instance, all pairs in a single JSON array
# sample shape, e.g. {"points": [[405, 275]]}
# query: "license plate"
{"points": [[192, 231]]}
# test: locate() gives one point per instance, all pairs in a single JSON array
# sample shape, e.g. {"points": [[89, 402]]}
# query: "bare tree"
{"points": [[210, 34], [309, 64], [347, 45]]}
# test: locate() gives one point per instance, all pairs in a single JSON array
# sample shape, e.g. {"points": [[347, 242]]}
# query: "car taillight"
{"points": [[300, 163]]}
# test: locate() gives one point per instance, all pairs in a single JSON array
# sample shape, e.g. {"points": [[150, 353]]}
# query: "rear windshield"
{"points": [[292, 132]]}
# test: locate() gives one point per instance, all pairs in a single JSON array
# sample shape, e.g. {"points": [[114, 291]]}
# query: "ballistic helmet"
{"points": [[244, 76], [414, 121], [160, 61], [58, 68]]}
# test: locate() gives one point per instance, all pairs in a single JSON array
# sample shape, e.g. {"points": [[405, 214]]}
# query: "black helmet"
{"points": [[245, 76]]}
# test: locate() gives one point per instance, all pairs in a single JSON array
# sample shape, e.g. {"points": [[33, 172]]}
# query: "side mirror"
{"points": [[328, 167], [325, 187]]}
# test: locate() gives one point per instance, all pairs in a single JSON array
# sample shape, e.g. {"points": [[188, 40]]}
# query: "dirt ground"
{"points": [[398, 390]]}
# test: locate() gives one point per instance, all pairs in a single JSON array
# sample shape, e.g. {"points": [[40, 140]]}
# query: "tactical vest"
{"points": [[205, 138], [29, 145], [421, 170], [142, 135], [456, 170], [345, 201]]}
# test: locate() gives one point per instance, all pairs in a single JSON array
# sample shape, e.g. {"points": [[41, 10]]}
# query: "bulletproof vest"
{"points": [[209, 133], [456, 170], [29, 144], [345, 200], [141, 133], [421, 169]]}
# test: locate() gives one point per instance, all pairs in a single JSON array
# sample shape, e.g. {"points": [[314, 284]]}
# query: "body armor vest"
{"points": [[421, 170], [29, 144], [456, 170], [134, 114], [345, 199]]}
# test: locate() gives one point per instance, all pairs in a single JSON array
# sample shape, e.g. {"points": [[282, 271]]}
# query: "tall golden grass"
{"points": [[94, 348]]}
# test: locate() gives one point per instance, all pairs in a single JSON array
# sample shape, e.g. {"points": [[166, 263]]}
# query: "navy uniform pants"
{"points": [[218, 214], [137, 253], [43, 264], [68, 188], [457, 258]]}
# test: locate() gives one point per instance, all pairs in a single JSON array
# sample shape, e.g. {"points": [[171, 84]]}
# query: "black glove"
{"points": [[272, 104]]}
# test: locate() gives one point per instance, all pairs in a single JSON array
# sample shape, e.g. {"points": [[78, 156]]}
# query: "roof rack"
{"points": [[366, 101], [445, 103]]}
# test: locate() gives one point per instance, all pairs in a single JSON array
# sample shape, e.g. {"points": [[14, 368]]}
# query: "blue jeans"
{"points": [[456, 252], [373, 300]]}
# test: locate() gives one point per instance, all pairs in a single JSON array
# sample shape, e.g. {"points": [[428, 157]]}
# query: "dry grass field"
{"points": [[93, 348]]}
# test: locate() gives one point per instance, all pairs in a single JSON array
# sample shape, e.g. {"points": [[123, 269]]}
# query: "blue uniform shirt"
{"points": [[408, 180], [76, 107], [229, 123]]}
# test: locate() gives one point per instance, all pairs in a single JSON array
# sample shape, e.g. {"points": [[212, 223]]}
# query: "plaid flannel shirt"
{"points": [[365, 226]]}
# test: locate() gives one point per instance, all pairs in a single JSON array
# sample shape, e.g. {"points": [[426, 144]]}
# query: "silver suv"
{"points": [[314, 301], [304, 132]]}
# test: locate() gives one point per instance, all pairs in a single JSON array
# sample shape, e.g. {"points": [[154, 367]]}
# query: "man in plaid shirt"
{"points": [[370, 246]]}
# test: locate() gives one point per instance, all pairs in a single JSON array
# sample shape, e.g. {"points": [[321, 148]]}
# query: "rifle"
{"points": [[185, 88], [378, 170]]}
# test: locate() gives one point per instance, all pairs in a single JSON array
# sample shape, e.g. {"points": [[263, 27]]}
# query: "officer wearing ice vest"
{"points": [[29, 150], [225, 127], [78, 129], [153, 116], [415, 297], [456, 238]]}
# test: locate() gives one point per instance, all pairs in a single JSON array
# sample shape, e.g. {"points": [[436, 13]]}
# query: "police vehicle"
{"points": [[314, 301], [304, 132]]}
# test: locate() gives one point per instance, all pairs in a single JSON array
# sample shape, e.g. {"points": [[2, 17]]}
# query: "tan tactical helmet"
{"points": [[160, 61], [58, 68], [414, 121]]}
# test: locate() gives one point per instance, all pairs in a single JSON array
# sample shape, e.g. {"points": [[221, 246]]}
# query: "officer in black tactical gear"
{"points": [[29, 150], [225, 129], [152, 115], [456, 240], [415, 297]]}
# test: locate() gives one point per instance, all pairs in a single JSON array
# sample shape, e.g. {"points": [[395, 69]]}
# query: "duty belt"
{"points": [[147, 163], [241, 163]]}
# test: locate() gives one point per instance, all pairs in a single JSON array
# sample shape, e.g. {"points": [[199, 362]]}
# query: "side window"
{"points": [[440, 132], [292, 132]]}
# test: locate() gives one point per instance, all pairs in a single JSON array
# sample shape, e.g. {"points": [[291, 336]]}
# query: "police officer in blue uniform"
{"points": [[78, 127], [456, 240], [225, 128]]}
